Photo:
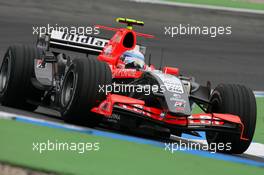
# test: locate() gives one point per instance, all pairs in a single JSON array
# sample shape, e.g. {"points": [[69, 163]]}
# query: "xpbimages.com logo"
{"points": [[192, 146], [79, 147], [81, 30], [187, 29], [145, 89]]}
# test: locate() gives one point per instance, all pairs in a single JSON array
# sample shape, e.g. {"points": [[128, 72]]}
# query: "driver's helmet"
{"points": [[133, 59]]}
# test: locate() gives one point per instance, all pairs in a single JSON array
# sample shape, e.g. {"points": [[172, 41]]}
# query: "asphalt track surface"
{"points": [[238, 58], [227, 59]]}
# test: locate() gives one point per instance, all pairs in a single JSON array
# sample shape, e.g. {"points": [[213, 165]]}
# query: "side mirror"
{"points": [[171, 70]]}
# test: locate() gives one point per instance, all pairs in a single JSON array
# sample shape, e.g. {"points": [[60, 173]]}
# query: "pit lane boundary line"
{"points": [[68, 127], [198, 6]]}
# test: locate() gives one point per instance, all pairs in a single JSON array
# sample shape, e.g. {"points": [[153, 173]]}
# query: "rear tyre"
{"points": [[16, 72], [81, 90], [238, 100]]}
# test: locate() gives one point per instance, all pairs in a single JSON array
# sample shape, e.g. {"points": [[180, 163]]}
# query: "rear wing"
{"points": [[75, 42]]}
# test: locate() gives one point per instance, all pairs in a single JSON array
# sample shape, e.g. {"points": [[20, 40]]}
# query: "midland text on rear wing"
{"points": [[75, 42]]}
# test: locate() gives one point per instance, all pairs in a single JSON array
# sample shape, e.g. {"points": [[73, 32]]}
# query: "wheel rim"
{"points": [[4, 73], [68, 88]]}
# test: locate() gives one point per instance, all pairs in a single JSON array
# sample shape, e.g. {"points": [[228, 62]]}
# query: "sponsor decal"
{"points": [[77, 38], [85, 40], [176, 98], [138, 106], [125, 73], [172, 87], [108, 50], [41, 64], [180, 104], [114, 117], [172, 83], [177, 95], [180, 109]]}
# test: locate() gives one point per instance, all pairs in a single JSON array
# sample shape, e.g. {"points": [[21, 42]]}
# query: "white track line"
{"points": [[256, 149], [198, 6], [259, 93]]}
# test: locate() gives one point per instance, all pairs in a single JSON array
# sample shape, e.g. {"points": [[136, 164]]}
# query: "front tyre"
{"points": [[237, 100]]}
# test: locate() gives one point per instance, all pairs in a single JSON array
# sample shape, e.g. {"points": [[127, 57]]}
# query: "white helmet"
{"points": [[133, 59]]}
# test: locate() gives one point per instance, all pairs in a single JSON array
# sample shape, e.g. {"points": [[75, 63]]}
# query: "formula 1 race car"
{"points": [[113, 82]]}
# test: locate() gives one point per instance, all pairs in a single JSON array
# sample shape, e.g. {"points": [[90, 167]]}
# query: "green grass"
{"points": [[114, 157], [259, 132], [244, 4]]}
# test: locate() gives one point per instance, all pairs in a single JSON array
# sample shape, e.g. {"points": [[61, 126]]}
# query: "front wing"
{"points": [[195, 122]]}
